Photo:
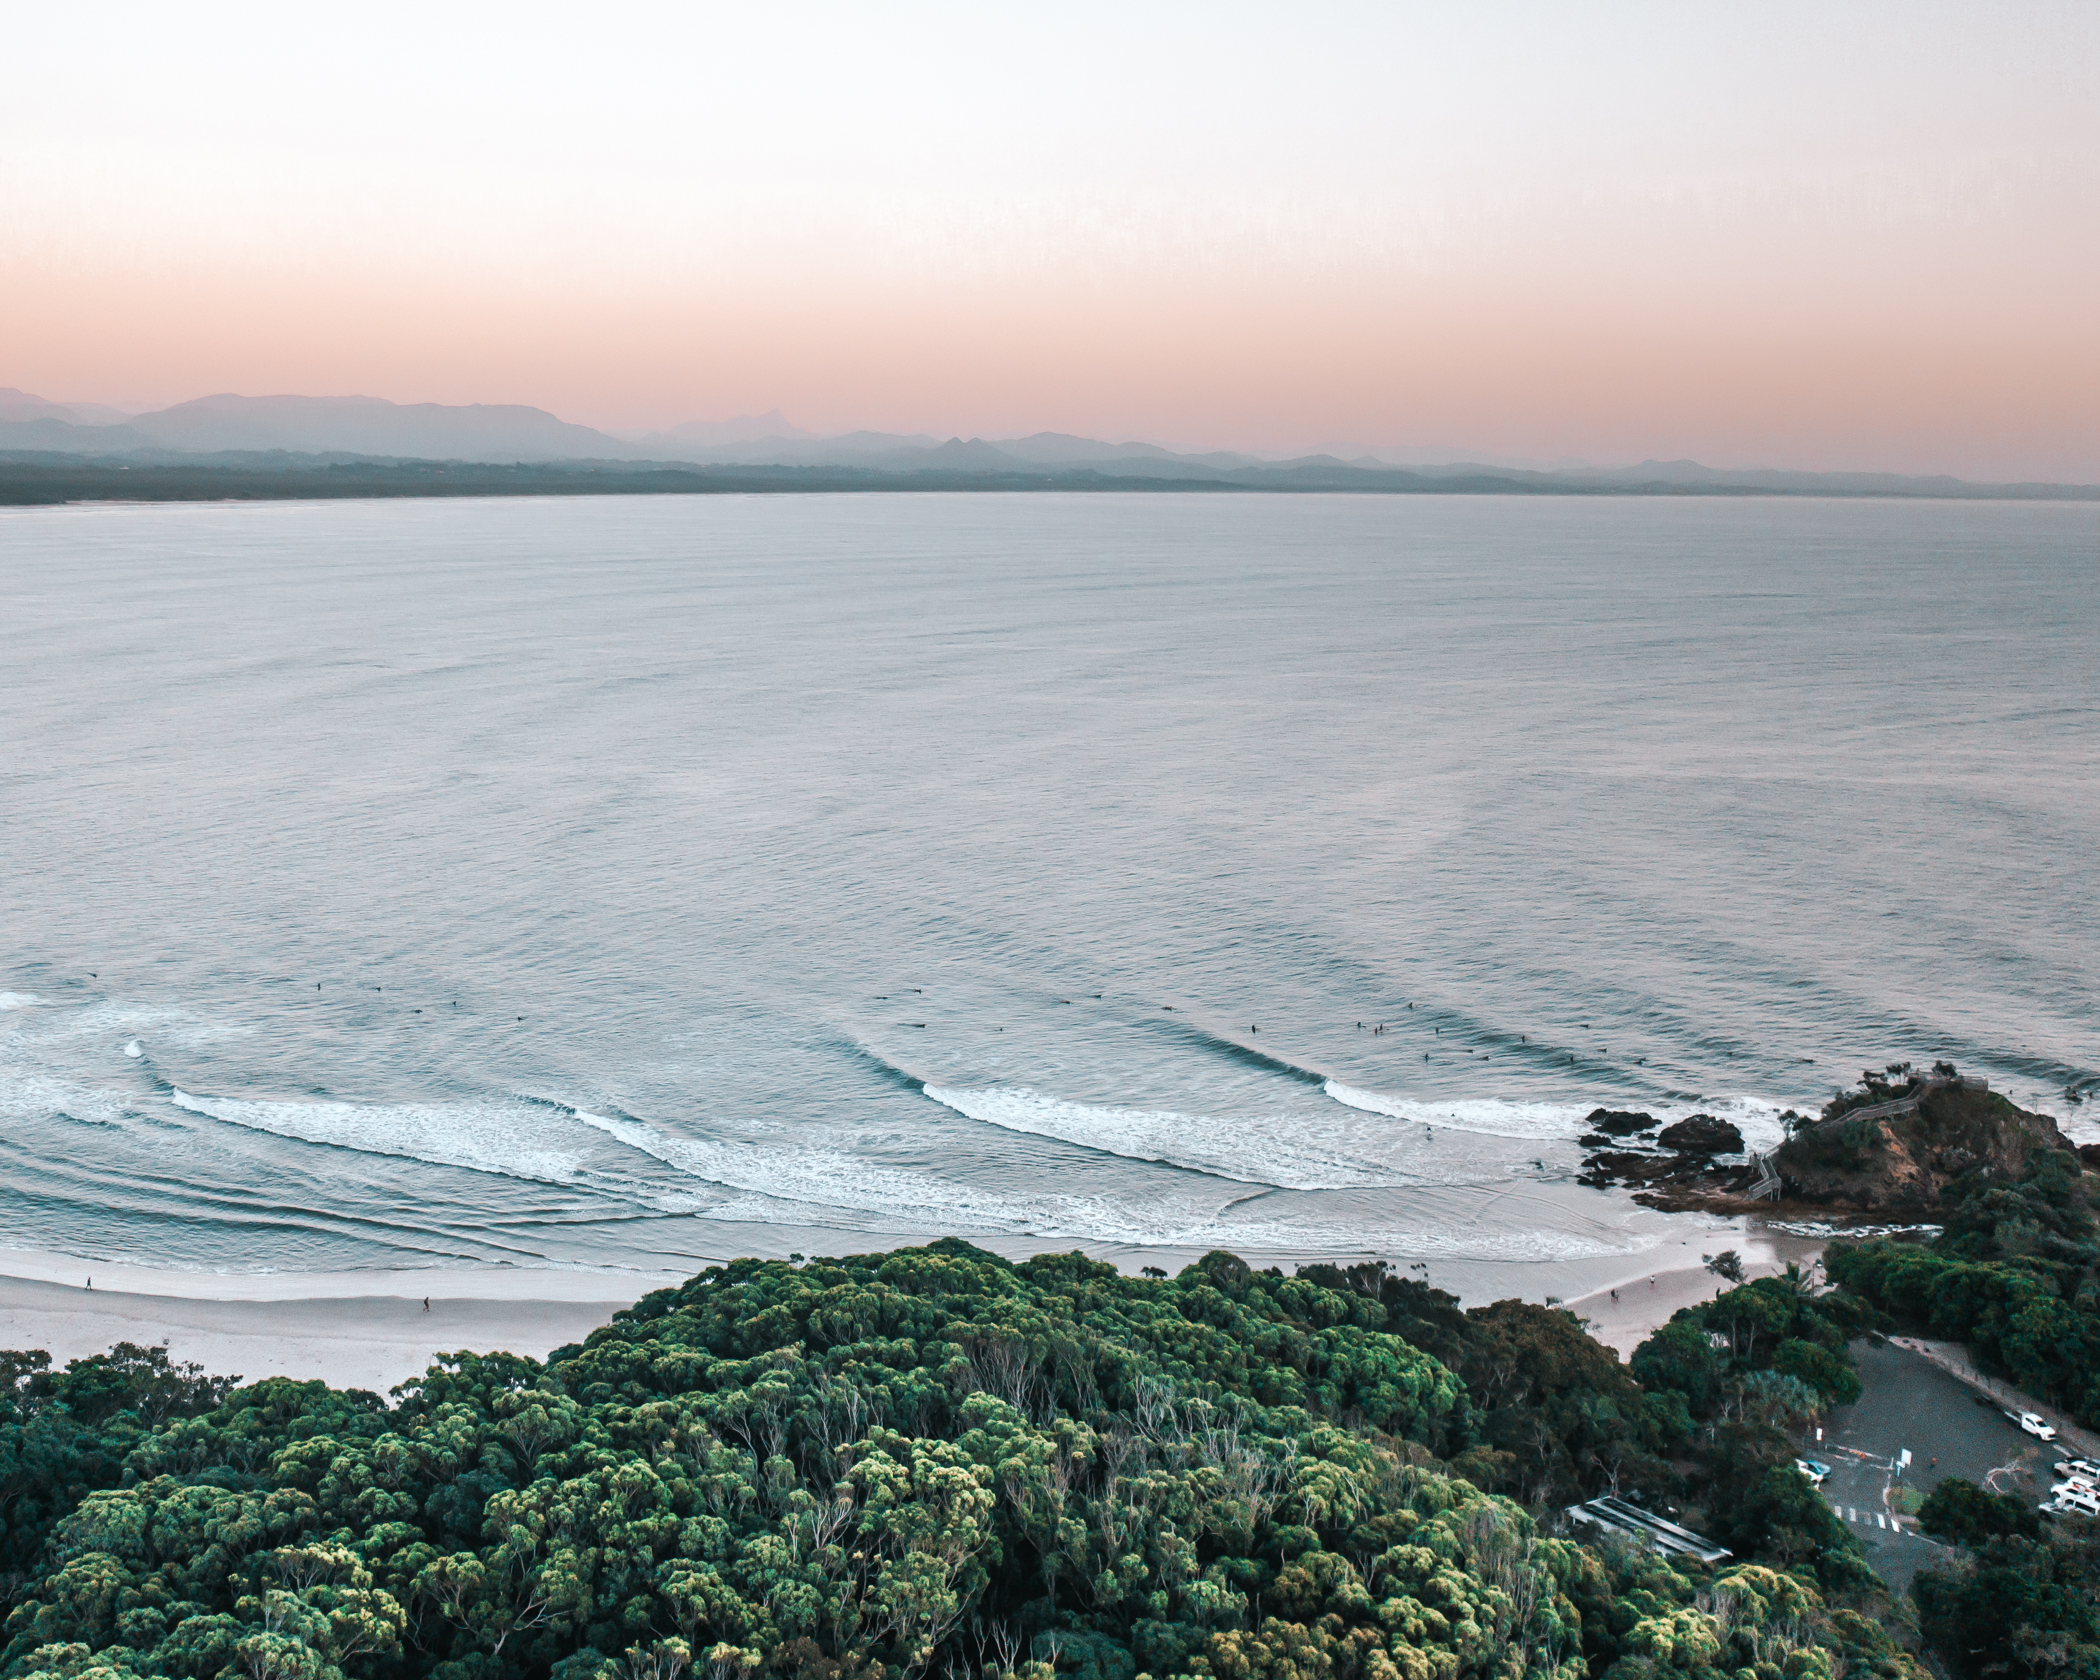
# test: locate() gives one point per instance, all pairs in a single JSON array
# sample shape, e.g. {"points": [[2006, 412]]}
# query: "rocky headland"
{"points": [[1885, 1149], [1894, 1153]]}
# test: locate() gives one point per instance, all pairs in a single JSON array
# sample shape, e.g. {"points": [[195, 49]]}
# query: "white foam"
{"points": [[19, 1000], [2079, 1124], [761, 1182], [132, 1049], [508, 1139], [815, 1186], [1442, 1242], [786, 1183], [1757, 1119], [1292, 1152], [28, 1092], [1533, 1122], [1820, 1228]]}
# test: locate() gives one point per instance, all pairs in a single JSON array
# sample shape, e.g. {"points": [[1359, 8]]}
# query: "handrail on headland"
{"points": [[1908, 1104], [1768, 1185]]}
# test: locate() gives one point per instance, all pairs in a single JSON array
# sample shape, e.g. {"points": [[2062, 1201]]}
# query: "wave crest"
{"points": [[1288, 1152], [506, 1139], [1547, 1122]]}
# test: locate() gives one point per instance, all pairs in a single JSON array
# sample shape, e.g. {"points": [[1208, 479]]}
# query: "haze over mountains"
{"points": [[486, 432], [303, 432]]}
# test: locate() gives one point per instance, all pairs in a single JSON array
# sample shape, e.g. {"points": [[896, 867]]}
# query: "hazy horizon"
{"points": [[703, 440], [1859, 241]]}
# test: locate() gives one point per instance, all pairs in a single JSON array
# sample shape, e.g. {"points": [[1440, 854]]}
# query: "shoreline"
{"points": [[1534, 1241], [369, 1341], [369, 1330], [486, 1283]]}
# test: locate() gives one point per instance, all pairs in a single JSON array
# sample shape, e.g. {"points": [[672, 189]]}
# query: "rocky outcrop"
{"points": [[1702, 1134], [1882, 1162], [1684, 1162]]}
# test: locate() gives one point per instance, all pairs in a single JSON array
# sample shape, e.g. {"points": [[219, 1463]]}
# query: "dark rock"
{"points": [[2089, 1153], [1702, 1134], [1619, 1122]]}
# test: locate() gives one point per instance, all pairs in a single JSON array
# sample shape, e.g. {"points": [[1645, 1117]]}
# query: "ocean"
{"points": [[611, 886]]}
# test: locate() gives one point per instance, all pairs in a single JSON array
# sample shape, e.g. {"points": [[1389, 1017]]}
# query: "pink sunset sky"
{"points": [[1861, 236]]}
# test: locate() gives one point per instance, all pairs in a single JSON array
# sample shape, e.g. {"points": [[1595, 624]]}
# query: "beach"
{"points": [[369, 1330], [359, 1341], [1644, 1305]]}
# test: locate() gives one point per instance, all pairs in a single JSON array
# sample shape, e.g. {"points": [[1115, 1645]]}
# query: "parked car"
{"points": [[1813, 1470], [2034, 1425], [2079, 1467], [2070, 1501]]}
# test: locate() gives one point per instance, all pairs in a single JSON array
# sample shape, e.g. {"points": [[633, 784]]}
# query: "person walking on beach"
{"points": [[426, 1303]]}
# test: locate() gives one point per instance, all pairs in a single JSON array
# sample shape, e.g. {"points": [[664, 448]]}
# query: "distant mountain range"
{"points": [[308, 426], [257, 434]]}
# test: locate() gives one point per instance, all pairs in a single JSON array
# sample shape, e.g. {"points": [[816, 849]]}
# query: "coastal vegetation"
{"points": [[2014, 1273], [937, 1462], [1901, 1139]]}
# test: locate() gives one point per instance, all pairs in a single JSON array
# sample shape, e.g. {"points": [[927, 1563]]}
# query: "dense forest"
{"points": [[937, 1462]]}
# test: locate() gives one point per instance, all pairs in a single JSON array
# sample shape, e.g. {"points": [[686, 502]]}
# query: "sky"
{"points": [[1859, 236]]}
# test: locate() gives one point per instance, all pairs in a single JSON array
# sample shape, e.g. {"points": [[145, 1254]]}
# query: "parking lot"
{"points": [[1907, 1402]]}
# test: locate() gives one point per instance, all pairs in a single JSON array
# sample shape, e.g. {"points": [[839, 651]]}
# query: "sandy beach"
{"points": [[369, 1330], [1625, 1316], [351, 1341]]}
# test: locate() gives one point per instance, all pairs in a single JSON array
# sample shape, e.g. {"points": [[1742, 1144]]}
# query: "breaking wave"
{"points": [[1545, 1122], [775, 1186], [1285, 1151], [777, 1183], [512, 1140]]}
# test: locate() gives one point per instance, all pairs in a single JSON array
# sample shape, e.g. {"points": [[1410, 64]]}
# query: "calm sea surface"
{"points": [[616, 883]]}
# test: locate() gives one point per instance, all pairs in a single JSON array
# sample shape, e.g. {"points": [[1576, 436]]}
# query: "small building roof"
{"points": [[1622, 1517]]}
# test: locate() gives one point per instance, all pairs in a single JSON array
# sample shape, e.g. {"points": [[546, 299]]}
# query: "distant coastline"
{"points": [[294, 448], [42, 478]]}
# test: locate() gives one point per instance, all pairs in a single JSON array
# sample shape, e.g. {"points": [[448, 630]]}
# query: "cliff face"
{"points": [[1898, 1163]]}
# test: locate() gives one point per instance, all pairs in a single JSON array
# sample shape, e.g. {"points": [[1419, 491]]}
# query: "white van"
{"points": [[2066, 1500]]}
